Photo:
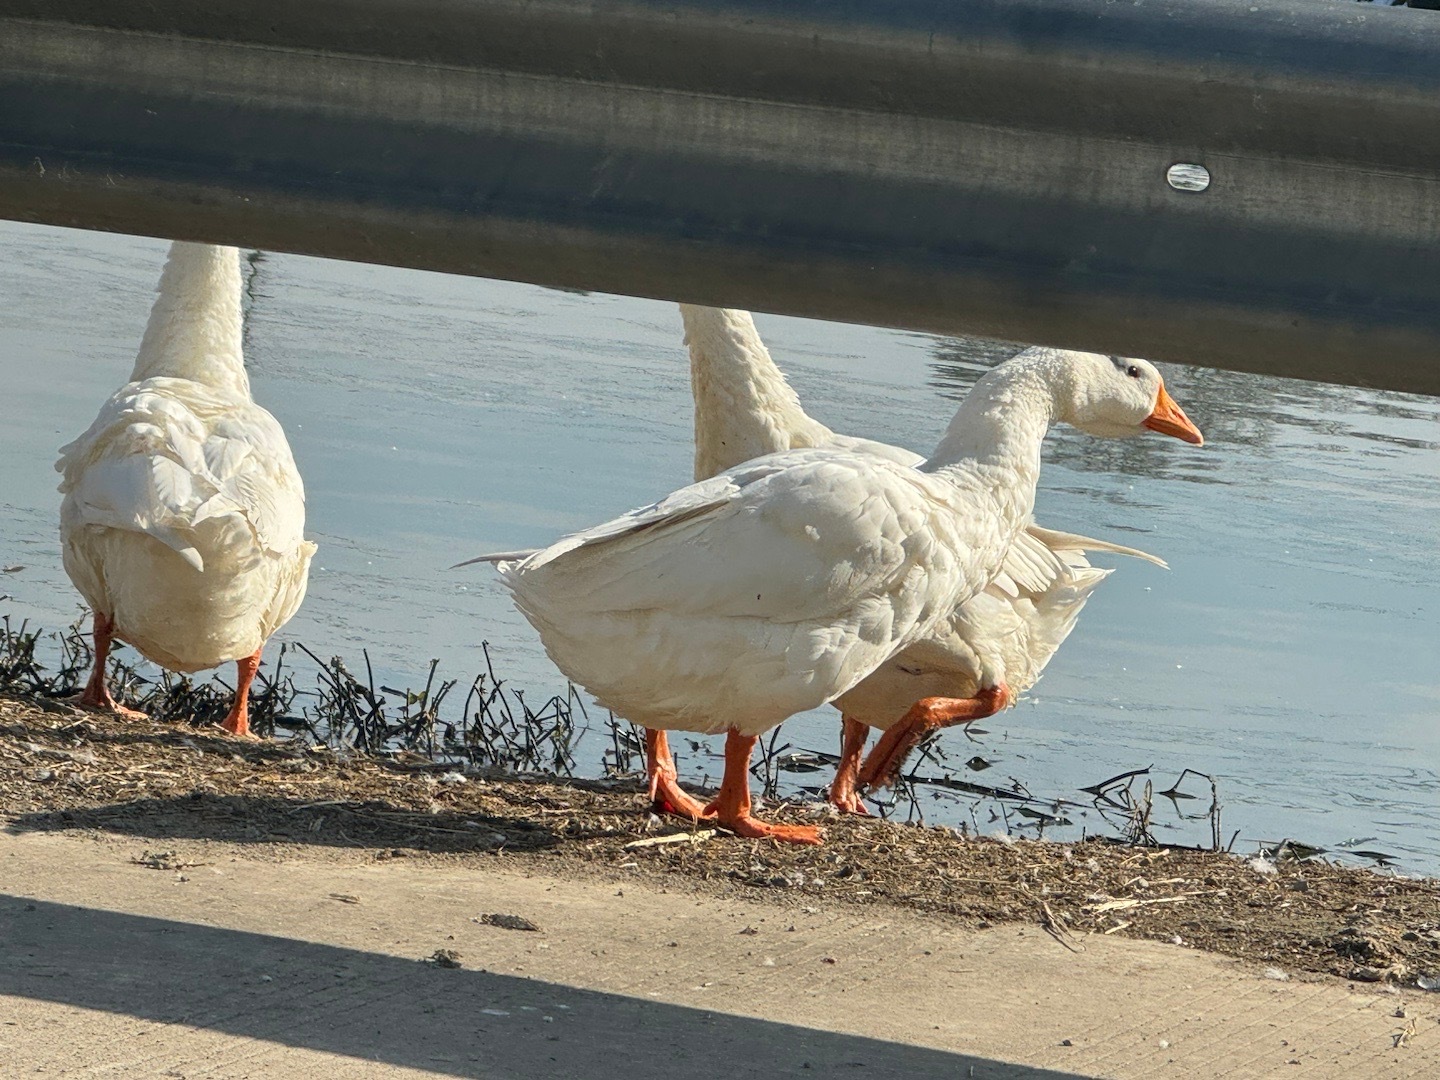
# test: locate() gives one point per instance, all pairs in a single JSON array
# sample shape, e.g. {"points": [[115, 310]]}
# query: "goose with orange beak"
{"points": [[783, 583]]}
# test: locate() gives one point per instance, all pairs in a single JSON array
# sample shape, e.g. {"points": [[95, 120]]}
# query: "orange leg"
{"points": [[97, 695], [843, 795], [238, 722], [666, 795], [926, 715], [732, 806]]}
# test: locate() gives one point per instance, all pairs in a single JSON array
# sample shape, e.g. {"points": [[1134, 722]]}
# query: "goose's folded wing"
{"points": [[803, 535], [648, 522], [165, 455], [254, 474], [140, 467]]}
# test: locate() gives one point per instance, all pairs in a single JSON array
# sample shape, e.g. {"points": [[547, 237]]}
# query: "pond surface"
{"points": [[1292, 651]]}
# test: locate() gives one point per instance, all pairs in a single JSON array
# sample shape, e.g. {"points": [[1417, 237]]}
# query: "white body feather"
{"points": [[184, 514], [745, 406], [762, 592]]}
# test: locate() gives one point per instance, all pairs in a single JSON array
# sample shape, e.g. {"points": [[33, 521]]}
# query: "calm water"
{"points": [[1291, 651]]}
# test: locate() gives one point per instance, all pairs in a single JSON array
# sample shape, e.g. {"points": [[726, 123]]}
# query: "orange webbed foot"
{"points": [[752, 828], [667, 797], [237, 723], [239, 730], [849, 803], [103, 702], [732, 806], [842, 794], [96, 694]]}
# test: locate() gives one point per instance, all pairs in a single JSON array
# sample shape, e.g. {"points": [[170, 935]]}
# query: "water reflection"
{"points": [[1316, 448]]}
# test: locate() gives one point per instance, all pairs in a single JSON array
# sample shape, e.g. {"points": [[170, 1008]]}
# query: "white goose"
{"points": [[779, 585], [744, 408], [183, 519]]}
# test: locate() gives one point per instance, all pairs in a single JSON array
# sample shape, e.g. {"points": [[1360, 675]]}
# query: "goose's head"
{"points": [[1119, 396]]}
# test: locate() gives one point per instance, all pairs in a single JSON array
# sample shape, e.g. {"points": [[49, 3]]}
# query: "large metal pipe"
{"points": [[996, 167]]}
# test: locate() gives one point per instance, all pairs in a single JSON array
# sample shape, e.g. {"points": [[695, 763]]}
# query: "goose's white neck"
{"points": [[743, 406], [195, 326], [993, 443]]}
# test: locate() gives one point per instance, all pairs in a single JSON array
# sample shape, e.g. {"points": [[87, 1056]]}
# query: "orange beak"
{"points": [[1169, 419]]}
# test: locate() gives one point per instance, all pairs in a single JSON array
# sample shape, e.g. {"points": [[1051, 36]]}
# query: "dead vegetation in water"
{"points": [[494, 727], [64, 769], [46, 665]]}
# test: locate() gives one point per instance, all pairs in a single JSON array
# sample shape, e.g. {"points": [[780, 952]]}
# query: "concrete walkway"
{"points": [[249, 967]]}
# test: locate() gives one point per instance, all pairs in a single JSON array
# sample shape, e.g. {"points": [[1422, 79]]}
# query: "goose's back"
{"points": [[183, 520], [759, 593]]}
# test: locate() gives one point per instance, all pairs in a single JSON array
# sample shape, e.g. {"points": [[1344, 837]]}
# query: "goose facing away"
{"points": [[744, 408], [183, 518], [777, 586]]}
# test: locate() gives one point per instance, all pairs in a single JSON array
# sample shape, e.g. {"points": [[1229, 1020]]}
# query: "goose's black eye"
{"points": [[1133, 371]]}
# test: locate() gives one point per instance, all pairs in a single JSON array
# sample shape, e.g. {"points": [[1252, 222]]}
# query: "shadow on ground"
{"points": [[463, 1023], [368, 823]]}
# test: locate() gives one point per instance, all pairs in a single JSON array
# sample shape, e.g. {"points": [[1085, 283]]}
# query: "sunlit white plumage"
{"points": [[184, 514], [833, 551], [778, 585]]}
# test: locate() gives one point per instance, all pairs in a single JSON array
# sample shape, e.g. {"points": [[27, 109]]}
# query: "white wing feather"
{"points": [[166, 455], [1064, 542], [831, 562], [804, 535]]}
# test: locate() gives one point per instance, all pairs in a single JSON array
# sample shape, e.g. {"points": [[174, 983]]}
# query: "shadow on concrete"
{"points": [[455, 1022], [251, 819]]}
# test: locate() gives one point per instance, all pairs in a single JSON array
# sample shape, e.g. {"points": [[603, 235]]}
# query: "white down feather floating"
{"points": [[184, 515], [744, 407], [780, 584]]}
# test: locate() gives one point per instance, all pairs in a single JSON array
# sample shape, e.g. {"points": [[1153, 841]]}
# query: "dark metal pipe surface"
{"points": [[995, 167]]}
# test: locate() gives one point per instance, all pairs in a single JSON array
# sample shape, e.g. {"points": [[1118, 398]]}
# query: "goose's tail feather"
{"points": [[1063, 541], [497, 557]]}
